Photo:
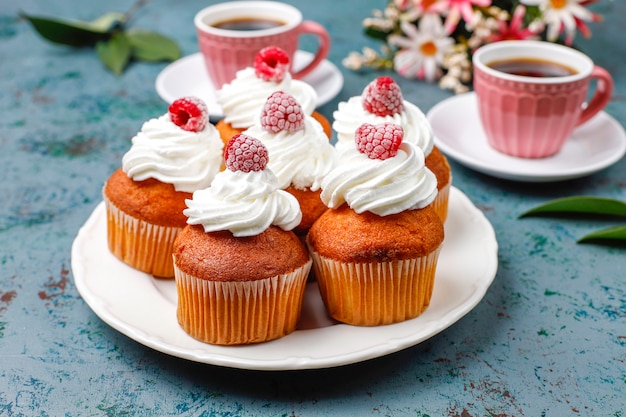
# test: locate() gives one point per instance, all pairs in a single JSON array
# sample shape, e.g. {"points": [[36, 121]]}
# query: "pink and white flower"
{"points": [[565, 16], [423, 49]]}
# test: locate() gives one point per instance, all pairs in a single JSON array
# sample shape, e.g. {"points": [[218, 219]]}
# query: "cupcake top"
{"points": [[299, 151], [382, 102], [381, 174], [245, 199], [179, 148], [243, 98]]}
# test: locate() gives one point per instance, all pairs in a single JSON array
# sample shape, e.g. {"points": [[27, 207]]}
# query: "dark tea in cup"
{"points": [[247, 23], [532, 67]]}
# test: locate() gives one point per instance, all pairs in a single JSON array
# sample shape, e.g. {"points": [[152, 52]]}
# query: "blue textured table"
{"points": [[549, 337]]}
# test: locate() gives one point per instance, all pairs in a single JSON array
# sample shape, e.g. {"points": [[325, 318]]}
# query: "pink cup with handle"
{"points": [[230, 34], [532, 114]]}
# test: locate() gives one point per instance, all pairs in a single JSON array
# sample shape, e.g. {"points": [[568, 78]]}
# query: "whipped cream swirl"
{"points": [[245, 203], [382, 187], [351, 114], [301, 158], [243, 98], [164, 151]]}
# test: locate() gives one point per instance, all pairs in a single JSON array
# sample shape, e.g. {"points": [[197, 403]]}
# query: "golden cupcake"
{"points": [[243, 98], [375, 251], [172, 156], [240, 271], [300, 154], [382, 102]]}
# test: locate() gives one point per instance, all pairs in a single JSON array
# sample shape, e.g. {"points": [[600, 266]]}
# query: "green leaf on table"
{"points": [[376, 33], [580, 205], [66, 32], [611, 235], [115, 53], [152, 46], [108, 22]]}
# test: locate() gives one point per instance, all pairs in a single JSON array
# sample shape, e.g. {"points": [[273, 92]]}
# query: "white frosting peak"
{"points": [[382, 187], [243, 98], [301, 158], [164, 151], [351, 114], [245, 203]]}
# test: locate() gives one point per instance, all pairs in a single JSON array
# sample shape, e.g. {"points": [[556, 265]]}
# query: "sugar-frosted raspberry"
{"points": [[271, 64], [190, 113], [245, 153], [383, 97], [379, 141], [282, 112]]}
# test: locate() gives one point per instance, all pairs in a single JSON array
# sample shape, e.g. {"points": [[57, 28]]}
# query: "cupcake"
{"points": [[375, 251], [382, 102], [243, 98], [240, 271], [300, 154], [172, 156]]}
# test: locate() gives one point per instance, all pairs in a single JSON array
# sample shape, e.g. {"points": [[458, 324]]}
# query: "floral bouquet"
{"points": [[434, 39]]}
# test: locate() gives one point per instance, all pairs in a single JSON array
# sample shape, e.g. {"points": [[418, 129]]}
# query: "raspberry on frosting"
{"points": [[245, 153], [271, 64], [282, 112], [380, 141], [383, 97], [190, 113]]}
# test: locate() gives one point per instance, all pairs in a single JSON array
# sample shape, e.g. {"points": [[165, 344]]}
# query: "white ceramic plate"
{"points": [[188, 76], [593, 146], [144, 308]]}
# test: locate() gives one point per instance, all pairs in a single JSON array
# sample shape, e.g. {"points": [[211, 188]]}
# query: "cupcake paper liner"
{"points": [[141, 245], [375, 293], [244, 312], [440, 204]]}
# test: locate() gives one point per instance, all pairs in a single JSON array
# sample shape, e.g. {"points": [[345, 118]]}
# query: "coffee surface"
{"points": [[532, 67], [247, 24]]}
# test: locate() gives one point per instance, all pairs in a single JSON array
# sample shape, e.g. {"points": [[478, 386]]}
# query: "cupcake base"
{"points": [[241, 312], [375, 293], [141, 245], [440, 204]]}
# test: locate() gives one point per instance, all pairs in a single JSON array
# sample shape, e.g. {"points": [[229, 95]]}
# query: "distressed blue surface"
{"points": [[549, 338]]}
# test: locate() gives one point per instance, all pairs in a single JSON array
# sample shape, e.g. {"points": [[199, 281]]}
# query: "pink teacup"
{"points": [[531, 95], [230, 34]]}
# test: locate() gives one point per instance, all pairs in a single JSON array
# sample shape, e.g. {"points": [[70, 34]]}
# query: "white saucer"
{"points": [[593, 146], [144, 308], [187, 76]]}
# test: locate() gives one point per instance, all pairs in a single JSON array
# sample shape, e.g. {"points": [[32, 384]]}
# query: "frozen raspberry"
{"points": [[383, 97], [190, 113], [245, 153], [271, 64], [379, 141], [282, 112]]}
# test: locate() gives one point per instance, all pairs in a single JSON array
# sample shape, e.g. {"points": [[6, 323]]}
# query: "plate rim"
{"points": [[528, 175], [217, 112], [216, 355]]}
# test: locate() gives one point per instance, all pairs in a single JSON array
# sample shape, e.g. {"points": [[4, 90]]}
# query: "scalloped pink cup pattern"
{"points": [[227, 51], [533, 117]]}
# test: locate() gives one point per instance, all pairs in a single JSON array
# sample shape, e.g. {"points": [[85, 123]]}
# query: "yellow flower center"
{"points": [[558, 4], [429, 48]]}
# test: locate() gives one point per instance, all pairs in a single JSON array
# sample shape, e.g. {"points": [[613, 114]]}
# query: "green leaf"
{"points": [[152, 46], [108, 22], [611, 235], [115, 53], [66, 32], [580, 205], [376, 34]]}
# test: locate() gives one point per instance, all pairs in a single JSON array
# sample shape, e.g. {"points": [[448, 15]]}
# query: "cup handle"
{"points": [[602, 95], [314, 28]]}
